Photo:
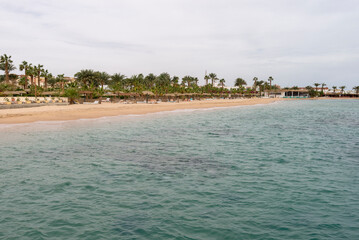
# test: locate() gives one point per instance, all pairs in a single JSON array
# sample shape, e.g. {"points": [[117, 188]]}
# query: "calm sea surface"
{"points": [[288, 170]]}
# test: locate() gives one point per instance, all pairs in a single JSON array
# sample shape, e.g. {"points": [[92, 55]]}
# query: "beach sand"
{"points": [[73, 112]]}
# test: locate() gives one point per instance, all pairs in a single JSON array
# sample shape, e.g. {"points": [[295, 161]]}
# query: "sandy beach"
{"points": [[73, 112]]}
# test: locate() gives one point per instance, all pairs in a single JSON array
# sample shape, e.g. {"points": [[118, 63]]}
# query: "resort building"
{"points": [[287, 93], [39, 82]]}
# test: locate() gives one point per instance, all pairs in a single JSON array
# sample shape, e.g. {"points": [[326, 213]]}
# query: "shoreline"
{"points": [[75, 112]]}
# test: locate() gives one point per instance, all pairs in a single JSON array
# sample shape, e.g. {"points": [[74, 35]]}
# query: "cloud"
{"points": [[296, 42]]}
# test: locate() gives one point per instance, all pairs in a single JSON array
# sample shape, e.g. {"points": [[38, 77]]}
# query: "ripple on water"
{"points": [[263, 172]]}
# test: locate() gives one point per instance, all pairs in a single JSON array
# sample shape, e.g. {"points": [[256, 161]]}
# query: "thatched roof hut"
{"points": [[12, 93], [147, 93], [49, 93], [131, 94]]}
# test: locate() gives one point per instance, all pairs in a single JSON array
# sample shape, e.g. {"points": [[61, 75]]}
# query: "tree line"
{"points": [[88, 79]]}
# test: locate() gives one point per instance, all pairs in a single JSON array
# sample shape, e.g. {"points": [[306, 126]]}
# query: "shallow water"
{"points": [[288, 170]]}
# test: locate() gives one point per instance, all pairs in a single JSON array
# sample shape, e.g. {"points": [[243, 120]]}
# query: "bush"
{"points": [[72, 94]]}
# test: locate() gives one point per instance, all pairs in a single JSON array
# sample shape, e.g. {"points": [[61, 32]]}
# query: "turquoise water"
{"points": [[288, 170]]}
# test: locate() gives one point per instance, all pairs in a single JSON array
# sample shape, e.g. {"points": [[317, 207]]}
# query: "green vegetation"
{"points": [[36, 80], [6, 64]]}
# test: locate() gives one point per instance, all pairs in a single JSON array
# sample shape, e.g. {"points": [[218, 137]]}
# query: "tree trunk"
{"points": [[35, 91], [25, 85], [6, 73], [45, 82], [32, 80], [38, 78]]}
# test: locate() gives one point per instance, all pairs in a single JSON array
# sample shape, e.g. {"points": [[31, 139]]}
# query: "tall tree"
{"points": [[46, 75], [118, 82], [261, 85], [213, 78], [31, 72], [323, 84], [38, 69], [195, 81], [334, 88], [163, 80], [23, 81], [255, 79], [316, 86], [187, 80], [356, 88], [7, 66], [61, 79], [270, 79], [240, 82], [51, 80], [206, 78], [342, 88], [222, 81], [103, 78], [24, 66], [175, 81], [87, 78]]}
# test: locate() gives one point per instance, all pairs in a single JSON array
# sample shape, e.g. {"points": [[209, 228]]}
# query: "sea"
{"points": [[287, 170]]}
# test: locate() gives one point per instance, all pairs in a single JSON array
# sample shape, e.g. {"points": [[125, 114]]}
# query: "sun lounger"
{"points": [[95, 102]]}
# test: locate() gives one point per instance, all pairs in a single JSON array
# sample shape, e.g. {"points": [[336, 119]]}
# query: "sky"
{"points": [[297, 42]]}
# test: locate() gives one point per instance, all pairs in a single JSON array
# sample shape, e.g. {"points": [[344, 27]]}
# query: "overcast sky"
{"points": [[298, 42]]}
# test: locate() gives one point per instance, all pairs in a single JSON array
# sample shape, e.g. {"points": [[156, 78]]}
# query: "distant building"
{"points": [[40, 82], [287, 93]]}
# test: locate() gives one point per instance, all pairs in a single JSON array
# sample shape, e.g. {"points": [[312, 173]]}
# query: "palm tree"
{"points": [[316, 86], [260, 84], [213, 77], [334, 88], [206, 78], [222, 81], [356, 88], [104, 78], [51, 80], [87, 77], [31, 72], [255, 79], [7, 66], [24, 66], [23, 81], [118, 80], [46, 75], [163, 80], [196, 81], [61, 79], [72, 94], [342, 88], [323, 84], [38, 69], [174, 81], [240, 82], [187, 80], [270, 79]]}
